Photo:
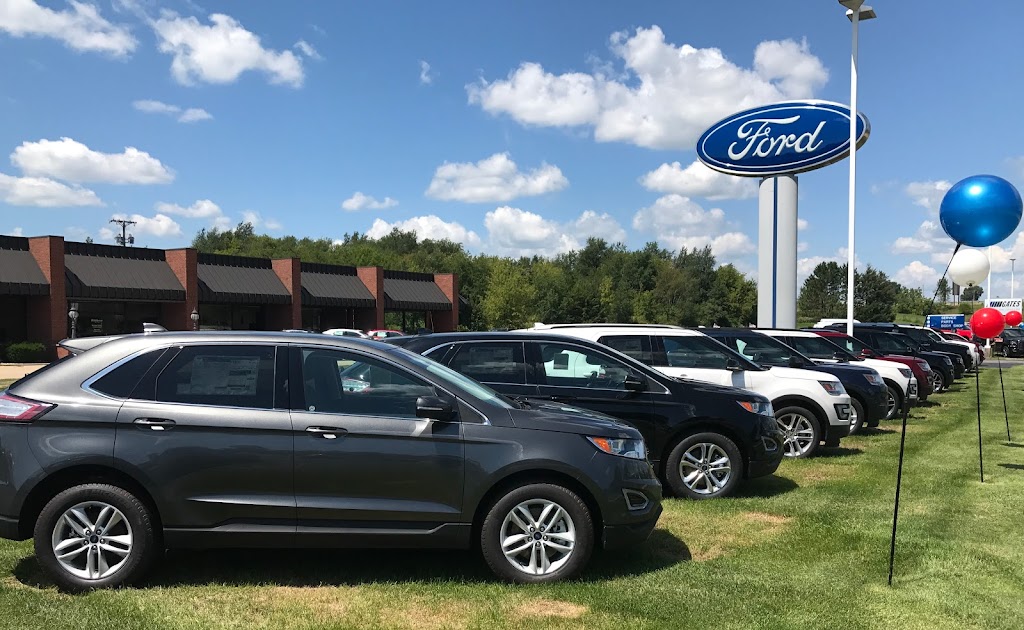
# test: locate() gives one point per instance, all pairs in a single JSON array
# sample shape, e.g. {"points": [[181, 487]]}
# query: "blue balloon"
{"points": [[981, 210]]}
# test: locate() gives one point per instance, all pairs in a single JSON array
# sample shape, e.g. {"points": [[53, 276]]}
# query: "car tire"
{"points": [[74, 526], [695, 457], [507, 525], [936, 382], [862, 418], [896, 395], [801, 431]]}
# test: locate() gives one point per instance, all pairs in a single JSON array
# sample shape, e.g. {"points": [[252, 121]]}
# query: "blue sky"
{"points": [[513, 127]]}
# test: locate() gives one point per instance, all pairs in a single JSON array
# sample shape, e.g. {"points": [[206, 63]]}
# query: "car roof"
{"points": [[786, 331]]}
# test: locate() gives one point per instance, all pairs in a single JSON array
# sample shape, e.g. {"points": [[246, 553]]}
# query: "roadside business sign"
{"points": [[1004, 306], [945, 322], [782, 138]]}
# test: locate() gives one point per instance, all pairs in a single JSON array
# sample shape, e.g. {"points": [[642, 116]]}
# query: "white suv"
{"points": [[900, 381], [811, 408]]}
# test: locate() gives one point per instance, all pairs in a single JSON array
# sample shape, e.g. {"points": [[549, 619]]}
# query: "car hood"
{"points": [[545, 416], [802, 374], [843, 369], [703, 387]]}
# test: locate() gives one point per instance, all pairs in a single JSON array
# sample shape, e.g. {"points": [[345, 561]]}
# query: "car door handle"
{"points": [[328, 433], [155, 424]]}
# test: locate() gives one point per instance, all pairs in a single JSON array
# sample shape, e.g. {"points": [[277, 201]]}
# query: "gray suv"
{"points": [[145, 442]]}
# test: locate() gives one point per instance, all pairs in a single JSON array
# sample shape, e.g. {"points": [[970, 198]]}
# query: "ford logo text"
{"points": [[789, 137]]}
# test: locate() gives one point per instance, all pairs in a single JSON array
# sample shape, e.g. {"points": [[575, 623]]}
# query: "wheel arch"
{"points": [[79, 475], [810, 405], [537, 475]]}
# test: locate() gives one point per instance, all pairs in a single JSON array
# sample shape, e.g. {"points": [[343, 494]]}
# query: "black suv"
{"points": [[299, 440], [703, 438]]}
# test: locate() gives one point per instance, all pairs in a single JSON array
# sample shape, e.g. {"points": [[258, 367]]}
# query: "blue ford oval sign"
{"points": [[788, 137]]}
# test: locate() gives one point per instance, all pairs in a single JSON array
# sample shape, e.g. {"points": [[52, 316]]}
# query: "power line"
{"points": [[124, 239]]}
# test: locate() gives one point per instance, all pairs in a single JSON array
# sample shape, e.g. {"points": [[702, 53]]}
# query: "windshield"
{"points": [[451, 377], [893, 342], [852, 344], [936, 336], [920, 335], [765, 350], [820, 348]]}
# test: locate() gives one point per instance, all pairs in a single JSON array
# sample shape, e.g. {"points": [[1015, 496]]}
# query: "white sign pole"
{"points": [[850, 252], [777, 241]]}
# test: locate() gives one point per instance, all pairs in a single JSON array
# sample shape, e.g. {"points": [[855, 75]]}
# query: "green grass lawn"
{"points": [[805, 549]]}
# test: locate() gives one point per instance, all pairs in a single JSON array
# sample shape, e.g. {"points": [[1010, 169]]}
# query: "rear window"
{"points": [[121, 381]]}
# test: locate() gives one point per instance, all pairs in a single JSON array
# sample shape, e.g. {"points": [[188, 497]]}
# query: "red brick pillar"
{"points": [[447, 321], [48, 315], [373, 278], [289, 271], [185, 265]]}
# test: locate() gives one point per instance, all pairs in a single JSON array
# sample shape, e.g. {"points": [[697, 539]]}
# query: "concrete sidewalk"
{"points": [[10, 371]]}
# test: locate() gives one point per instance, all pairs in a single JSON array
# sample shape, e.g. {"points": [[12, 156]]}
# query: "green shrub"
{"points": [[26, 352]]}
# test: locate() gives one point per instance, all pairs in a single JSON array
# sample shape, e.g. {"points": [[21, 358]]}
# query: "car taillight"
{"points": [[14, 409]]}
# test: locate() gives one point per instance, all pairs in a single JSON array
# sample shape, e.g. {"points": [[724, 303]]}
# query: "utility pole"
{"points": [[125, 239]]}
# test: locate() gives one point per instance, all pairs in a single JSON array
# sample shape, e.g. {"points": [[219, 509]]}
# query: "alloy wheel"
{"points": [[705, 468], [797, 432], [936, 382], [538, 537], [92, 540], [890, 405]]}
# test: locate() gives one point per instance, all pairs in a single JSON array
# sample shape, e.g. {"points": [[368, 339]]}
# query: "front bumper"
{"points": [[835, 432], [766, 453], [628, 520], [619, 536]]}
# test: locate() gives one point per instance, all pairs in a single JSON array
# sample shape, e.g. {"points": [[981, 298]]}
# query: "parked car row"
{"points": [[537, 447]]}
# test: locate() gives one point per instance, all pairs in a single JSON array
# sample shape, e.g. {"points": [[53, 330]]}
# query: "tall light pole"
{"points": [[1011, 277], [855, 11]]}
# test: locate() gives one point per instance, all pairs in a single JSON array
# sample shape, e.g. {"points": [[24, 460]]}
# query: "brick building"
{"points": [[117, 289]]}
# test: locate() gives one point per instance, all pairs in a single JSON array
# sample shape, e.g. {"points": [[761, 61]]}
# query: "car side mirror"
{"points": [[434, 408], [866, 353], [733, 365], [795, 362], [634, 382]]}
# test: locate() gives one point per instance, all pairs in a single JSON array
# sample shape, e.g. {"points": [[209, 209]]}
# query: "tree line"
{"points": [[601, 282]]}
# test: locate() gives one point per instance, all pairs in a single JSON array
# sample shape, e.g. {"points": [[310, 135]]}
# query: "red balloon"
{"points": [[1014, 318], [987, 323]]}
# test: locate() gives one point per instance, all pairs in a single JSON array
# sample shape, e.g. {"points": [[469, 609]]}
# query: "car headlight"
{"points": [[906, 372], [633, 449], [875, 379], [758, 407], [947, 361], [834, 388]]}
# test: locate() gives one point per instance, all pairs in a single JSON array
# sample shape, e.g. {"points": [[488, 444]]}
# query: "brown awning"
{"points": [[408, 291], [106, 272], [332, 285], [239, 280], [19, 273]]}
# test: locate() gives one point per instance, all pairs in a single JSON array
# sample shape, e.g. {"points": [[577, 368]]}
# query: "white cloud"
{"points": [[678, 221], [72, 161], [664, 96], [307, 49], [201, 209], [697, 180], [928, 238], [802, 224], [221, 51], [804, 266], [917, 275], [80, 26], [257, 220], [42, 192], [493, 179], [426, 77], [359, 201], [602, 226], [17, 232], [802, 247], [159, 225], [516, 232], [192, 114], [427, 227], [928, 194]]}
